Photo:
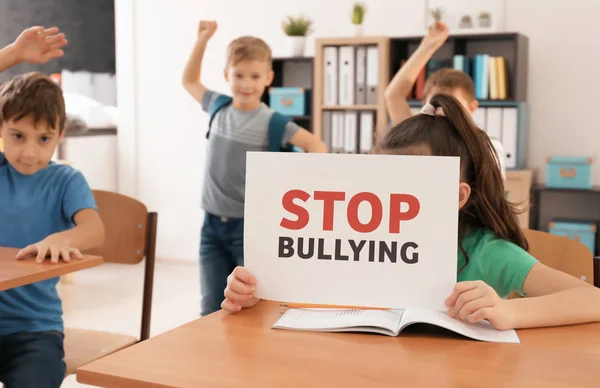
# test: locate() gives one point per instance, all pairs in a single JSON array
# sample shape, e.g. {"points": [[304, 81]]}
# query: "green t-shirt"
{"points": [[500, 263]]}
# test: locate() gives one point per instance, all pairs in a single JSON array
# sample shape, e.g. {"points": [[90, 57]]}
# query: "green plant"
{"points": [[437, 14], [466, 19], [358, 13], [297, 26], [485, 15]]}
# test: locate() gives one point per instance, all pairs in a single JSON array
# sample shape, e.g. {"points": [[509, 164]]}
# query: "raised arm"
{"points": [[34, 45], [193, 67], [405, 78]]}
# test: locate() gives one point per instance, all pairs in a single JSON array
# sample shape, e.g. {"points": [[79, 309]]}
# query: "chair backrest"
{"points": [[562, 254], [130, 235], [126, 223]]}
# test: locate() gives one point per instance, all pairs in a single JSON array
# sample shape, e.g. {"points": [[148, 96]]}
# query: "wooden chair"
{"points": [[130, 236], [563, 254]]}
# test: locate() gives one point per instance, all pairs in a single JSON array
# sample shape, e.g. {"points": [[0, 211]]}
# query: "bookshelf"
{"points": [[382, 73], [309, 73], [513, 47]]}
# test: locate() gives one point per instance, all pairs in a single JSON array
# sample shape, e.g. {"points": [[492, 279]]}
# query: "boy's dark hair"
{"points": [[35, 95], [447, 80], [455, 134]]}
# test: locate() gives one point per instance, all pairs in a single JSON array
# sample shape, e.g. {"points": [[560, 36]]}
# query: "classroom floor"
{"points": [[109, 298]]}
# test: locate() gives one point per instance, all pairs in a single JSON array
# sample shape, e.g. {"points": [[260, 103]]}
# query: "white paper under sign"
{"points": [[359, 230]]}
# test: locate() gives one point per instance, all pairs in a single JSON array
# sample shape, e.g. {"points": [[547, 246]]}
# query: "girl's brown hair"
{"points": [[455, 134]]}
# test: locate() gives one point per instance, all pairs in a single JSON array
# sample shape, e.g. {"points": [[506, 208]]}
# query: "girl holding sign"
{"points": [[492, 260]]}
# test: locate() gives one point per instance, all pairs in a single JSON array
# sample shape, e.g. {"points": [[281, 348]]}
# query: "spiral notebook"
{"points": [[387, 322]]}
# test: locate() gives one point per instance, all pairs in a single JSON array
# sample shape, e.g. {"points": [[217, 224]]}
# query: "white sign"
{"points": [[357, 230]]}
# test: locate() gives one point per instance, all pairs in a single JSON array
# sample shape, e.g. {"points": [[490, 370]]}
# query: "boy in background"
{"points": [[450, 81], [238, 128], [46, 209]]}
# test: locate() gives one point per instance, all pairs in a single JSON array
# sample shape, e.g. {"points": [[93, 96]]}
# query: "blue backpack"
{"points": [[277, 125]]}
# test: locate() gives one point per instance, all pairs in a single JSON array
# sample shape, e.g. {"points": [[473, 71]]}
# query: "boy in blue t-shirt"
{"points": [[46, 209], [241, 127]]}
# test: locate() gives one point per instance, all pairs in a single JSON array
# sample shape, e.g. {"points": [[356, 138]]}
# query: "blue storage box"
{"points": [[569, 172], [288, 101], [584, 232]]}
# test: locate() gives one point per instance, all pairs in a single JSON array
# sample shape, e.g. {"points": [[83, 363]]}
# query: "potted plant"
{"points": [[466, 22], [296, 28], [358, 16], [437, 13], [485, 19]]}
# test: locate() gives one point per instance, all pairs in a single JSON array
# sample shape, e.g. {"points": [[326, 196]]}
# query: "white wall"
{"points": [[162, 144], [564, 87]]}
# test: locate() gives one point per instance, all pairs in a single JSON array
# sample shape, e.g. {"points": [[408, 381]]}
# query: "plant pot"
{"points": [[485, 22], [296, 45], [359, 29]]}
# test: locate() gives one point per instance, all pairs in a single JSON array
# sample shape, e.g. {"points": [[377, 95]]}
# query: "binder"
{"points": [[330, 87], [327, 129], [350, 136], [361, 75], [493, 76], [347, 76], [338, 132], [493, 125], [480, 118], [372, 74], [502, 81], [367, 123], [510, 126]]}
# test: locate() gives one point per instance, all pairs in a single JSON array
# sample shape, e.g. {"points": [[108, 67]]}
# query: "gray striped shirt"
{"points": [[233, 132]]}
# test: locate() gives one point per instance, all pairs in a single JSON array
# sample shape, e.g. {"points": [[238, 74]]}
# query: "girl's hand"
{"points": [[475, 301], [239, 292]]}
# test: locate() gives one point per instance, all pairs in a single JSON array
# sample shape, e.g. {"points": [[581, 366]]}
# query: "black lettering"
{"points": [[356, 249], [371, 251], [311, 248], [415, 255], [286, 247], [338, 251], [385, 250], [321, 255]]}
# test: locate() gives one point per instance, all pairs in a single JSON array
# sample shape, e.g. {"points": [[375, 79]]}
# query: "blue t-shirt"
{"points": [[33, 207]]}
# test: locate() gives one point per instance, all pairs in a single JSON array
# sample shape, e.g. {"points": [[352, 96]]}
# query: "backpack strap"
{"points": [[220, 102], [277, 126]]}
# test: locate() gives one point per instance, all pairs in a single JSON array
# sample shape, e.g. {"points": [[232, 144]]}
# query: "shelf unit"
{"points": [[309, 73], [383, 77], [294, 72]]}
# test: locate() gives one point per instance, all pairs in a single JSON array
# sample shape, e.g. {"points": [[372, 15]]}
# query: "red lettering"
{"points": [[396, 215], [288, 204], [329, 198], [376, 212]]}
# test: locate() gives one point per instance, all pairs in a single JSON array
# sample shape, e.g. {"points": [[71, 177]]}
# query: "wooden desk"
{"points": [[16, 273], [241, 350]]}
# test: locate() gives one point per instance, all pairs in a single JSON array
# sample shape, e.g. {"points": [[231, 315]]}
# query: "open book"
{"points": [[387, 322]]}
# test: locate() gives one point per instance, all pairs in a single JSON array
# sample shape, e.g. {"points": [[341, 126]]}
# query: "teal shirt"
{"points": [[500, 263]]}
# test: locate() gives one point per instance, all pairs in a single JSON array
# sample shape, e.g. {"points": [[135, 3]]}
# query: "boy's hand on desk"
{"points": [[475, 301], [239, 294], [54, 245]]}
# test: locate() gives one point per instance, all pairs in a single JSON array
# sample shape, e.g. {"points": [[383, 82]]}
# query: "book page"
{"points": [[482, 331], [333, 320]]}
